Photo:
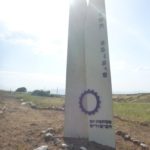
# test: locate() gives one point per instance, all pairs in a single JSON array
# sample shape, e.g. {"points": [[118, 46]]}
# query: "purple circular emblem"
{"points": [[98, 102]]}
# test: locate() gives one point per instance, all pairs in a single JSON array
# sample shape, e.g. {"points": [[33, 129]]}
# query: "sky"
{"points": [[33, 44]]}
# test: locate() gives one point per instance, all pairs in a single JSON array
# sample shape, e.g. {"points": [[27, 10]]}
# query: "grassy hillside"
{"points": [[138, 98], [133, 111], [133, 107], [41, 101]]}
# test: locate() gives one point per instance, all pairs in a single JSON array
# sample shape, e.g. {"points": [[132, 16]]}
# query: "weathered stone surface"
{"points": [[144, 146], [57, 141], [43, 131], [48, 130], [48, 136], [64, 146], [83, 148], [137, 142], [23, 103], [32, 105], [126, 137], [44, 147], [51, 130]]}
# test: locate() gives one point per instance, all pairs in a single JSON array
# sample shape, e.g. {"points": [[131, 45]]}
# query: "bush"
{"points": [[40, 93], [21, 89]]}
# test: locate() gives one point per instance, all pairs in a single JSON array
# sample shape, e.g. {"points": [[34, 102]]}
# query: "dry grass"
{"points": [[21, 126], [133, 111], [40, 100], [138, 98]]}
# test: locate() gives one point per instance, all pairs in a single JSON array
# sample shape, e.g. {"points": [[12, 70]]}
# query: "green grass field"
{"points": [[126, 106], [40, 100], [138, 98], [133, 111]]}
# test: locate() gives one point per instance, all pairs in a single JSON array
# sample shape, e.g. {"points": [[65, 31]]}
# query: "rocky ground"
{"points": [[25, 128]]}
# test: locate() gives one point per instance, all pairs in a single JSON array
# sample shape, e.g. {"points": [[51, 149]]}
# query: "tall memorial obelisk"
{"points": [[88, 103], [75, 120]]}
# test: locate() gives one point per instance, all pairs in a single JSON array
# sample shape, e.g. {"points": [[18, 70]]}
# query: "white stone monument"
{"points": [[88, 103]]}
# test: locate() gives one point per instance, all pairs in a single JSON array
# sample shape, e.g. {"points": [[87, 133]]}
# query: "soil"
{"points": [[21, 126]]}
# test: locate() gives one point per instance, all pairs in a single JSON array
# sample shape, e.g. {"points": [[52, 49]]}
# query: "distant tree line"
{"points": [[21, 89], [41, 93], [37, 92]]}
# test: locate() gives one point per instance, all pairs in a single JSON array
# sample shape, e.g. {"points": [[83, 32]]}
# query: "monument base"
{"points": [[78, 142]]}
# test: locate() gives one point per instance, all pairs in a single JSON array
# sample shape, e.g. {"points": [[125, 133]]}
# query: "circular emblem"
{"points": [[92, 92]]}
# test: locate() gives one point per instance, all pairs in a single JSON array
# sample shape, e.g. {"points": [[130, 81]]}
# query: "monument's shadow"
{"points": [[76, 143]]}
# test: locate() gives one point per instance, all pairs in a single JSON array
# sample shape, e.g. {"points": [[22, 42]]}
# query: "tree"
{"points": [[21, 89], [41, 93]]}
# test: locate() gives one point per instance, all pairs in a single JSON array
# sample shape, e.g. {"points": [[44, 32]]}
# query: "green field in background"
{"points": [[131, 110]]}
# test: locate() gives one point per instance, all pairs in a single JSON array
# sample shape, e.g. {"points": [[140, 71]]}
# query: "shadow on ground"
{"points": [[77, 143]]}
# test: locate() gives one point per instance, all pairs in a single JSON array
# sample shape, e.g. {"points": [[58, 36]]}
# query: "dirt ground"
{"points": [[21, 126]]}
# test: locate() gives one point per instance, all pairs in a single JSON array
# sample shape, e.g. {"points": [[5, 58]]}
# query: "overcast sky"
{"points": [[33, 44]]}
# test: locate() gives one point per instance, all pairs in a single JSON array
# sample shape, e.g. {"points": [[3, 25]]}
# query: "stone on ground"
{"points": [[83, 148], [64, 146], [44, 147], [57, 141], [49, 136], [144, 146], [51, 130]]}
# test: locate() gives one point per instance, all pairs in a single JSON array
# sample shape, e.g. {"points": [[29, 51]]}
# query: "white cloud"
{"points": [[23, 41], [47, 20], [33, 15]]}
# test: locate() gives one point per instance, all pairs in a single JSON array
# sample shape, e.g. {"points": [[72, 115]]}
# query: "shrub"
{"points": [[21, 89], [40, 93]]}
